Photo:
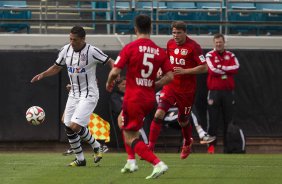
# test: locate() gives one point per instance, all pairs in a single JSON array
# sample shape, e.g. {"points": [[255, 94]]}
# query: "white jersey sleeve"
{"points": [[61, 59], [98, 55]]}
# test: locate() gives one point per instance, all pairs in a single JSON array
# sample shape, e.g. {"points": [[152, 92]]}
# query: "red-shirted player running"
{"points": [[187, 58], [143, 59]]}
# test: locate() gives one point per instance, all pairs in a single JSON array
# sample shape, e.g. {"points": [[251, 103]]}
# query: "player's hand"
{"points": [[110, 87], [68, 87], [178, 71], [37, 78]]}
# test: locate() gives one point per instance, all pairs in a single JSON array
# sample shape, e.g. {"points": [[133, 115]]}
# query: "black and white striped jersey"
{"points": [[81, 66]]}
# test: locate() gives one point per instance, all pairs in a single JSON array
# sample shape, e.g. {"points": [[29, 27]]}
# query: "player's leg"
{"points": [[132, 123], [205, 138], [155, 128], [156, 124], [73, 137], [184, 104], [70, 150], [132, 138], [81, 117], [228, 102], [130, 165], [214, 115]]}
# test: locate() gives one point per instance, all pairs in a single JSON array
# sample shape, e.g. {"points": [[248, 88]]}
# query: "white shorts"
{"points": [[78, 110]]}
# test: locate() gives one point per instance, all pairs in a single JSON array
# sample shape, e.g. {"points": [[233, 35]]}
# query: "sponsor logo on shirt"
{"points": [[184, 52], [202, 58], [76, 70], [176, 51], [177, 61], [83, 57]]}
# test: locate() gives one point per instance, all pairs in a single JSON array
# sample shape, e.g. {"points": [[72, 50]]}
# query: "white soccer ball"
{"points": [[35, 115]]}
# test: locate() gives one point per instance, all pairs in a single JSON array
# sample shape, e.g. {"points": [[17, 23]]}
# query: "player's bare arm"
{"points": [[114, 73], [196, 70], [111, 63], [164, 80], [53, 70]]}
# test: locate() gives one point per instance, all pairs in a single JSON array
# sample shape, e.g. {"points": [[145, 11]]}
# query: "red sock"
{"points": [[144, 152], [187, 134], [155, 130], [130, 152]]}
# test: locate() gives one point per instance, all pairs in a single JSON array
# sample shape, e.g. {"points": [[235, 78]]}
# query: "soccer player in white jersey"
{"points": [[81, 60]]}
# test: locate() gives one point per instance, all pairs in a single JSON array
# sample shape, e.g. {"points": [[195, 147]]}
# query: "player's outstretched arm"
{"points": [[54, 69]]}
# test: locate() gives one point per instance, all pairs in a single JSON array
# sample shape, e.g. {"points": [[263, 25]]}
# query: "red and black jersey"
{"points": [[222, 67], [187, 55], [143, 59]]}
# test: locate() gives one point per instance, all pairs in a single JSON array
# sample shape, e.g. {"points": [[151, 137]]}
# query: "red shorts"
{"points": [[133, 114], [183, 101]]}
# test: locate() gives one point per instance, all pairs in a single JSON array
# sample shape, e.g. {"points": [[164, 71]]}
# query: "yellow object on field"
{"points": [[99, 127]]}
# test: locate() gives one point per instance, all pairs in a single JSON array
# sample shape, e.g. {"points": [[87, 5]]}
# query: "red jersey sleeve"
{"points": [[232, 66], [166, 66], [198, 55], [122, 58]]}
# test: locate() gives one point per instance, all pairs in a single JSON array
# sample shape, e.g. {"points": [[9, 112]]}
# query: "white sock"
{"points": [[200, 131], [131, 161]]}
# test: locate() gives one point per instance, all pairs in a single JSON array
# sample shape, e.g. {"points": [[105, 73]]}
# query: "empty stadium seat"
{"points": [[270, 12], [240, 12], [15, 14], [180, 11], [104, 11], [213, 12], [124, 11]]}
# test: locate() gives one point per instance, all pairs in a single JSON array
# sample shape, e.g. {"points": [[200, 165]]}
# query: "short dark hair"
{"points": [[219, 35], [179, 25], [143, 24], [122, 78], [79, 31]]}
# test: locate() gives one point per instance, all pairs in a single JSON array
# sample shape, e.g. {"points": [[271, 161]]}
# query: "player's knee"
{"points": [[75, 127], [183, 120], [69, 130], [159, 114]]}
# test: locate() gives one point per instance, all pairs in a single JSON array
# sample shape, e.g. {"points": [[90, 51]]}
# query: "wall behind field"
{"points": [[258, 94]]}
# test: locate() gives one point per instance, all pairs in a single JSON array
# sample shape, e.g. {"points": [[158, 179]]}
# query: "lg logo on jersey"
{"points": [[76, 70], [177, 61]]}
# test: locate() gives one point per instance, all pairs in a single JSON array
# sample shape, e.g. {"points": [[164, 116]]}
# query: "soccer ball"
{"points": [[35, 115]]}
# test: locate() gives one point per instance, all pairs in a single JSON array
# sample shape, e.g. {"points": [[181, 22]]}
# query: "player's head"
{"points": [[77, 37], [219, 41], [143, 24], [121, 84], [179, 32]]}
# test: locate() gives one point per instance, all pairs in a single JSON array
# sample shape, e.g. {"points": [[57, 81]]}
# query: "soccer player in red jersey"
{"points": [[143, 58], [187, 59], [222, 66]]}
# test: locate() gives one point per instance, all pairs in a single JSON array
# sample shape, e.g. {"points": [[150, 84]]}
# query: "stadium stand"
{"points": [[18, 12], [270, 11], [247, 17], [258, 12], [240, 11], [123, 10], [214, 12]]}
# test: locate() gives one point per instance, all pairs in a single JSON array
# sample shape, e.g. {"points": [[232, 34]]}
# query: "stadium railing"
{"points": [[256, 12], [193, 11], [15, 10], [117, 15], [123, 10]]}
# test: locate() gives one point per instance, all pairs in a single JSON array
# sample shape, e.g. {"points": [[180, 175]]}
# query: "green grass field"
{"points": [[50, 168]]}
